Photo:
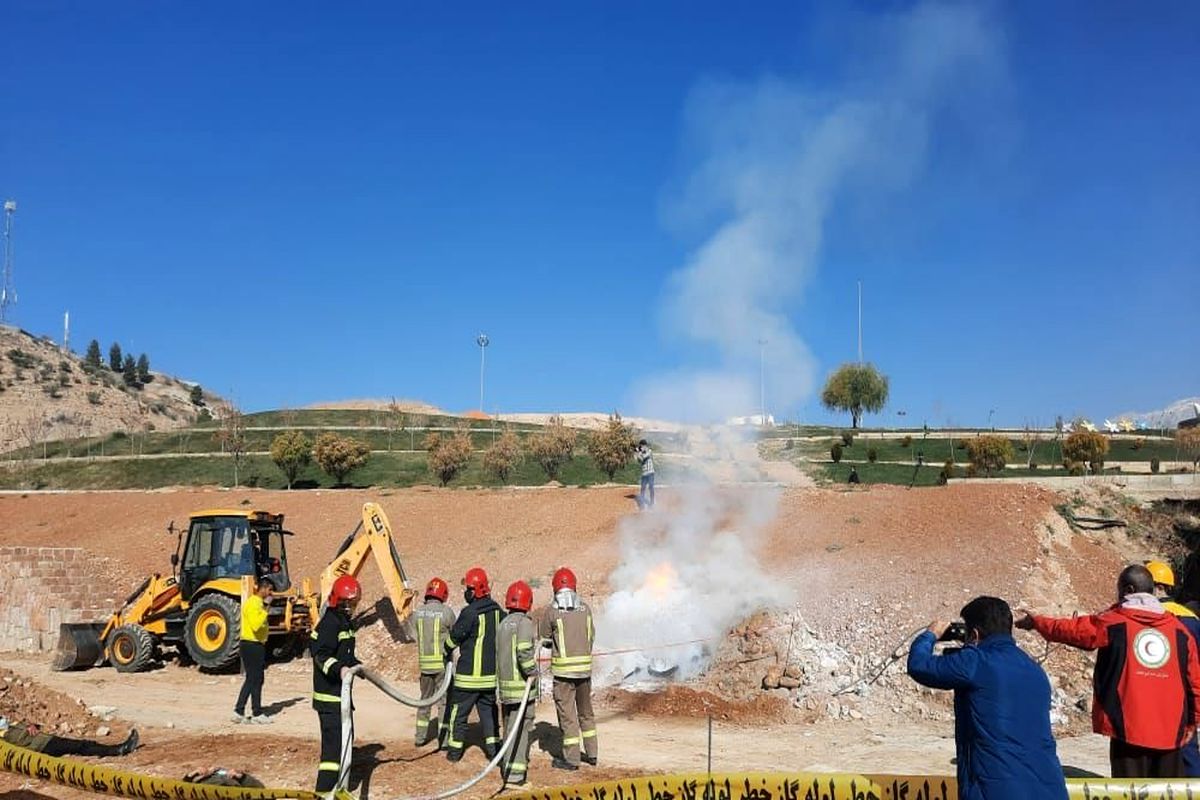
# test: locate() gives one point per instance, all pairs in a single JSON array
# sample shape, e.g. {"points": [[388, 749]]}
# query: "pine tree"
{"points": [[129, 372], [143, 369], [114, 357], [93, 358]]}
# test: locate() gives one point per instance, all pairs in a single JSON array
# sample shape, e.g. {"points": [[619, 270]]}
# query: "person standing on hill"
{"points": [[434, 619], [567, 623], [252, 649], [1147, 678], [646, 459]]}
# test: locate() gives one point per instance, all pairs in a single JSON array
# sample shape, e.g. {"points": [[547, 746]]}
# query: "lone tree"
{"points": [[448, 455], [338, 456], [393, 420], [93, 358], [143, 369], [552, 446], [989, 453], [232, 437], [856, 388], [611, 447], [1086, 447], [115, 362], [503, 456], [196, 395], [291, 451]]}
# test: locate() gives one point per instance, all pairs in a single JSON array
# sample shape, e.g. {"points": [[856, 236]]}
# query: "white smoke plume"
{"points": [[775, 158]]}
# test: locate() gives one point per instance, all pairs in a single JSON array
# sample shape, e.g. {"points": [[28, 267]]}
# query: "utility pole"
{"points": [[762, 385], [8, 294], [483, 341], [860, 322]]}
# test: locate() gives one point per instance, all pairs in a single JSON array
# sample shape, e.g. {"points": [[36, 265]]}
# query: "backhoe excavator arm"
{"points": [[372, 535]]}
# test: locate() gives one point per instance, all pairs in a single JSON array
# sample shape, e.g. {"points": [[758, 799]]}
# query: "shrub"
{"points": [[338, 456], [1075, 468], [1087, 447], [553, 446], [93, 397], [947, 473], [612, 446], [196, 395], [872, 454], [847, 438], [503, 456], [989, 453], [906, 441], [1155, 465], [448, 454], [972, 471], [1033, 466], [1139, 443], [291, 451], [835, 452]]}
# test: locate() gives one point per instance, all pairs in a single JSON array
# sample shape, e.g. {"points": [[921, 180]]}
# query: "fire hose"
{"points": [[391, 691]]}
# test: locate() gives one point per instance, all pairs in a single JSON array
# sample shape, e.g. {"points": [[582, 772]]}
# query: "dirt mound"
{"points": [[24, 701], [691, 703]]}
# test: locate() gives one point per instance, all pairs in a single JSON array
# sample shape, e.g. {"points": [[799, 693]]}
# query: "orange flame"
{"points": [[661, 580]]}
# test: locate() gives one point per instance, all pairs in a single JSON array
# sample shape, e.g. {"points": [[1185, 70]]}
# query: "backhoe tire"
{"points": [[213, 632], [131, 648]]}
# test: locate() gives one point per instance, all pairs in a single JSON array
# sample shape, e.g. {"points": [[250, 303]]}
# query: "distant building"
{"points": [[754, 419]]}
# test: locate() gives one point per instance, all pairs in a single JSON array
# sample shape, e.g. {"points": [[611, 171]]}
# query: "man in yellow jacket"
{"points": [[253, 650]]}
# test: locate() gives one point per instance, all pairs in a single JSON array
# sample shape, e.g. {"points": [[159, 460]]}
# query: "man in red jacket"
{"points": [[1146, 684]]}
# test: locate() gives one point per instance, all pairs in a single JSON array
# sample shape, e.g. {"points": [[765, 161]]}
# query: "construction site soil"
{"points": [[817, 684]]}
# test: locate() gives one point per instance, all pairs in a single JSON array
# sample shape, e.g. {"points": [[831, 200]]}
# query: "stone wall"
{"points": [[41, 587]]}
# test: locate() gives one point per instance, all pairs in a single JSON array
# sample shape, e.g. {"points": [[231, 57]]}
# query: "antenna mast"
{"points": [[8, 295]]}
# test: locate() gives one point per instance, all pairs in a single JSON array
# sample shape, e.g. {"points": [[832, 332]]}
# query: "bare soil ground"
{"points": [[865, 567]]}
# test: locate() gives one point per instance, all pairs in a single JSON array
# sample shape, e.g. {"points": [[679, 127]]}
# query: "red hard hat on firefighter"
{"points": [[563, 579], [519, 597], [437, 589], [477, 581], [345, 590]]}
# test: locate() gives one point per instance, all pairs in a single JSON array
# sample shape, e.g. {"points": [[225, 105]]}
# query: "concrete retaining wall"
{"points": [[43, 587]]}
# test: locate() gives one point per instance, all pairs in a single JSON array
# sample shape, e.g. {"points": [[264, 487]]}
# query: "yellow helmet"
{"points": [[1161, 573]]}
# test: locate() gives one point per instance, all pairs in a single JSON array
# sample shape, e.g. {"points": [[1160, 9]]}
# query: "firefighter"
{"points": [[567, 623], [516, 660], [474, 634], [434, 621], [333, 653]]}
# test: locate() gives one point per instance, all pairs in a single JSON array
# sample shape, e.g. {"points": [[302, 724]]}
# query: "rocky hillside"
{"points": [[46, 393]]}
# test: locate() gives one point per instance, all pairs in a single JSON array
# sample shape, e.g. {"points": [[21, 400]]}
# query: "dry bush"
{"points": [[1188, 441], [1086, 447], [989, 453], [553, 446], [338, 456], [612, 446], [503, 456], [448, 454]]}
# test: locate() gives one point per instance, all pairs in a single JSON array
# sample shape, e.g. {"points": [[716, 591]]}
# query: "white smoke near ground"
{"points": [[774, 158]]}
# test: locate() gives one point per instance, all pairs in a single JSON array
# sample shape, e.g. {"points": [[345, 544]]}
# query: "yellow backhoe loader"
{"points": [[197, 609]]}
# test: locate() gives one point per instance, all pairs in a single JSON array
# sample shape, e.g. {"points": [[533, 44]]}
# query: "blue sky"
{"points": [[292, 202]]}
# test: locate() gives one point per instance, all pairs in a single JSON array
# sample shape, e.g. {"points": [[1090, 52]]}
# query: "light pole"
{"points": [[762, 385], [483, 341]]}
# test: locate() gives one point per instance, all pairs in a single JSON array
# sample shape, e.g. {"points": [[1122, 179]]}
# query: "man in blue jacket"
{"points": [[1001, 707]]}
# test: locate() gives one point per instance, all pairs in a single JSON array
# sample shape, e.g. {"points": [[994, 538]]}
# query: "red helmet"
{"points": [[477, 580], [563, 579], [519, 597], [344, 590], [437, 589]]}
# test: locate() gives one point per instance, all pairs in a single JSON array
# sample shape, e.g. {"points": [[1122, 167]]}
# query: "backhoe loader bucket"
{"points": [[79, 646]]}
